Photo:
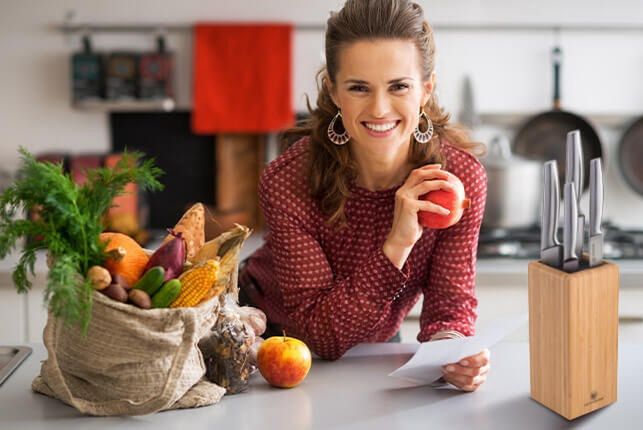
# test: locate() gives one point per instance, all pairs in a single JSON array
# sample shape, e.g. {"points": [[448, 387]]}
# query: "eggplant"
{"points": [[171, 256]]}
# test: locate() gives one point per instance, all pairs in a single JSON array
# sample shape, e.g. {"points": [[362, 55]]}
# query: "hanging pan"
{"points": [[543, 136], [630, 155]]}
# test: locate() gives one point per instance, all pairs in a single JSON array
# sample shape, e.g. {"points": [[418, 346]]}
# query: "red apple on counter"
{"points": [[284, 361], [455, 201]]}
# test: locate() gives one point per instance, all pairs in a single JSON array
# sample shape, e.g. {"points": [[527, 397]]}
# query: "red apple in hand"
{"points": [[456, 202], [284, 361]]}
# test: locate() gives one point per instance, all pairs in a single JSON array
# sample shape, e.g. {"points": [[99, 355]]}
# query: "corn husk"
{"points": [[227, 247], [192, 226]]}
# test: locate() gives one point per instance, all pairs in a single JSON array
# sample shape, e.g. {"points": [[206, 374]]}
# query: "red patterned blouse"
{"points": [[335, 289]]}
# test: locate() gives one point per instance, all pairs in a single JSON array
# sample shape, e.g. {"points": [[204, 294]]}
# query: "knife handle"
{"points": [[556, 58], [550, 208], [595, 196], [571, 222]]}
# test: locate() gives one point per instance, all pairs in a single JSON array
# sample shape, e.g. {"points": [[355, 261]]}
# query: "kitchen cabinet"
{"points": [[501, 290], [24, 316], [13, 314], [501, 301], [36, 314], [493, 302]]}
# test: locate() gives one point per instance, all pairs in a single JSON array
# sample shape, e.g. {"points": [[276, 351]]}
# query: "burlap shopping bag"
{"points": [[131, 362]]}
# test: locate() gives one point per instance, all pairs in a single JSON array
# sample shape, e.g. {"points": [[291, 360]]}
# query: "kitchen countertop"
{"points": [[351, 393]]}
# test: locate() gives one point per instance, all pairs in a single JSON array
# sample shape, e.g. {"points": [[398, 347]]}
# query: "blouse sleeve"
{"points": [[333, 314], [449, 296]]}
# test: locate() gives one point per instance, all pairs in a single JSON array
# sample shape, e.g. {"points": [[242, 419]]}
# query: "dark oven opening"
{"points": [[188, 161]]}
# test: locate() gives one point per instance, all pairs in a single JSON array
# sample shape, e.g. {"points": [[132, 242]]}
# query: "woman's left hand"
{"points": [[469, 373]]}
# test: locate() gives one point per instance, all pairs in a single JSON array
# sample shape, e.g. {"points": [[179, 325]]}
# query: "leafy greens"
{"points": [[69, 222]]}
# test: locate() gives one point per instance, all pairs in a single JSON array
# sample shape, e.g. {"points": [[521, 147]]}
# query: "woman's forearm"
{"points": [[396, 253]]}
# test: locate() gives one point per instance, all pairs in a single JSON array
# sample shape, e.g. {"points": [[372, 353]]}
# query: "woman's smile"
{"points": [[380, 128]]}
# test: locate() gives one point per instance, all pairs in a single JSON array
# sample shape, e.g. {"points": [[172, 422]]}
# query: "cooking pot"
{"points": [[513, 187]]}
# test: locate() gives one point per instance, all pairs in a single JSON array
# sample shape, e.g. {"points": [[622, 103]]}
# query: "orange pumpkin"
{"points": [[126, 257]]}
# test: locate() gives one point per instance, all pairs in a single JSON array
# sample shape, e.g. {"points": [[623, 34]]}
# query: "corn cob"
{"points": [[227, 247], [197, 284]]}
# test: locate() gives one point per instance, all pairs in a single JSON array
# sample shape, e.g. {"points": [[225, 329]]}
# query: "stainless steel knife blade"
{"points": [[574, 174], [551, 251], [570, 229], [595, 212]]}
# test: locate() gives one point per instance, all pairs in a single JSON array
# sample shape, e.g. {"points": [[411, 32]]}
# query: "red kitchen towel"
{"points": [[242, 78]]}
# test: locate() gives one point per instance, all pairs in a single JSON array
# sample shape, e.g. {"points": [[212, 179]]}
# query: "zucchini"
{"points": [[152, 280], [167, 294]]}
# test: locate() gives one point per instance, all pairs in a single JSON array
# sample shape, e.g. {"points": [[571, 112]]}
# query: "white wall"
{"points": [[510, 70]]}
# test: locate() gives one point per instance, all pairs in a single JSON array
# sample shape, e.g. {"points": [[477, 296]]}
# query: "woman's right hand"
{"points": [[406, 229]]}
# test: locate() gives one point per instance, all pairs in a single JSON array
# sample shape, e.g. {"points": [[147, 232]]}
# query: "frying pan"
{"points": [[543, 136], [630, 155]]}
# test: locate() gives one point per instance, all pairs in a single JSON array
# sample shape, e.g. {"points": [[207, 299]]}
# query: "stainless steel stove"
{"points": [[619, 243]]}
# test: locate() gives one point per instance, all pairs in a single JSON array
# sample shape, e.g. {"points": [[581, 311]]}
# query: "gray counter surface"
{"points": [[351, 393]]}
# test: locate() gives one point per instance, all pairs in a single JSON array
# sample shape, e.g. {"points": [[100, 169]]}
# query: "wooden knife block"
{"points": [[573, 337]]}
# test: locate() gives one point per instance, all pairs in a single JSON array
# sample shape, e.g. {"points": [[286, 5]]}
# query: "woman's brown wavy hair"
{"points": [[331, 167]]}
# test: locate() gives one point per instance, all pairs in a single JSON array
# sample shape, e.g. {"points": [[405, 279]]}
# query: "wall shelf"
{"points": [[165, 105], [96, 27], [516, 119]]}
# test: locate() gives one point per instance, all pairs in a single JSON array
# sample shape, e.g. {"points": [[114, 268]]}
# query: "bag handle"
{"points": [[163, 400]]}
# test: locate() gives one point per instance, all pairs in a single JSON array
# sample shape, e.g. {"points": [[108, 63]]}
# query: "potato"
{"points": [[118, 279], [99, 277], [116, 292], [140, 298]]}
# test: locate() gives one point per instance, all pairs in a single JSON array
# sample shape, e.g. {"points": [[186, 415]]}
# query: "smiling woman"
{"points": [[379, 88], [345, 257]]}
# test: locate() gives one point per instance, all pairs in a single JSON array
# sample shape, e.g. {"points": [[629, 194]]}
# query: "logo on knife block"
{"points": [[595, 398]]}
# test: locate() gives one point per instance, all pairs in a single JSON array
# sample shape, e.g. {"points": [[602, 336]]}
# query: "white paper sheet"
{"points": [[425, 366]]}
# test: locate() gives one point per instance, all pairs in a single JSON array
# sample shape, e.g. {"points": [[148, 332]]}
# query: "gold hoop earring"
{"points": [[423, 136], [337, 138]]}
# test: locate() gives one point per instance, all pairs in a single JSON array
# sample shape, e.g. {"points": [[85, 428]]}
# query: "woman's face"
{"points": [[379, 90]]}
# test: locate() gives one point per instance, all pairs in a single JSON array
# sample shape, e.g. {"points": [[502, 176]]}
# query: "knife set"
{"points": [[573, 297]]}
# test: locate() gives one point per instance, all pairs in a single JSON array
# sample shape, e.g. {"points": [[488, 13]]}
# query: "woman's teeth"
{"points": [[381, 127]]}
